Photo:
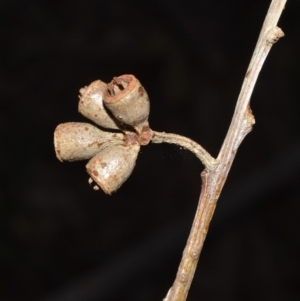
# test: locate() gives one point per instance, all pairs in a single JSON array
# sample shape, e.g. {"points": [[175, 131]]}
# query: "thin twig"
{"points": [[208, 161], [213, 180]]}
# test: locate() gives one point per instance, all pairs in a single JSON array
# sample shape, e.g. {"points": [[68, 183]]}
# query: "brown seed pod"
{"points": [[126, 98], [112, 166], [75, 141], [91, 105]]}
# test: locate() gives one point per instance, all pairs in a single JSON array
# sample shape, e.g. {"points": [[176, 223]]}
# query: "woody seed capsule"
{"points": [[75, 141], [112, 166], [128, 101], [91, 105]]}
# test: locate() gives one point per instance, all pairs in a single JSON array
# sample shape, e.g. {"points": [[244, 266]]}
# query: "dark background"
{"points": [[59, 239]]}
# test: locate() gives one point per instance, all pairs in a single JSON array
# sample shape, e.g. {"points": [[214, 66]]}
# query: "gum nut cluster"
{"points": [[121, 105]]}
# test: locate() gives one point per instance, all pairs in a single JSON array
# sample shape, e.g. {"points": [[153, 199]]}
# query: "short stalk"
{"points": [[208, 161]]}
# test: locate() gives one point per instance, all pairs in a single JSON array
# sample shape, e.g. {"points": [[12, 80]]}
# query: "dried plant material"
{"points": [[214, 180], [91, 105], [127, 99], [114, 155], [111, 167], [75, 141]]}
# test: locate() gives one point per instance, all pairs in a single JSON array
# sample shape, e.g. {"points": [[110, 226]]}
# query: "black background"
{"points": [[59, 239]]}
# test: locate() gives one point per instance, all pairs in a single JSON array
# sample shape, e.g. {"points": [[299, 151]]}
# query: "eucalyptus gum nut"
{"points": [[128, 101], [75, 141], [91, 105], [112, 166]]}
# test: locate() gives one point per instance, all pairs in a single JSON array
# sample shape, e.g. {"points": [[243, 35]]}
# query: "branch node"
{"points": [[274, 34], [195, 254], [183, 277]]}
